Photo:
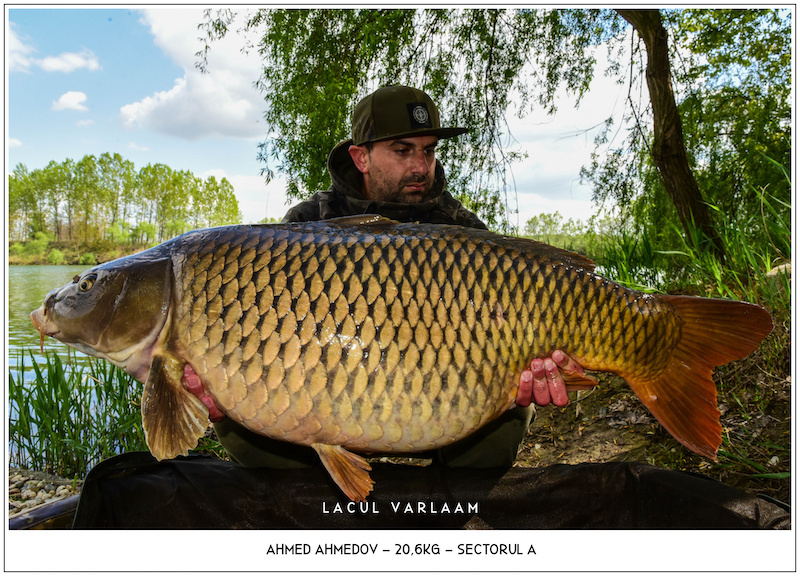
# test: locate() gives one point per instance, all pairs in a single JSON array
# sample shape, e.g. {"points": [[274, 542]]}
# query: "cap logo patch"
{"points": [[419, 115]]}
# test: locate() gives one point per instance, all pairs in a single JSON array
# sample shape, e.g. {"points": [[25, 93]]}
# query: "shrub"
{"points": [[37, 246], [55, 257], [88, 259]]}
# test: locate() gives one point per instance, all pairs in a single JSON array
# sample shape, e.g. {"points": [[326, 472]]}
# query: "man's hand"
{"points": [[192, 383], [543, 383]]}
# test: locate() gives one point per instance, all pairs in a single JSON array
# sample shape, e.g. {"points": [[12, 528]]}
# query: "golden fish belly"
{"points": [[392, 341]]}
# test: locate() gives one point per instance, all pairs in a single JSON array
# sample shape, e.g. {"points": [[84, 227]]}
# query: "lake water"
{"points": [[27, 287]]}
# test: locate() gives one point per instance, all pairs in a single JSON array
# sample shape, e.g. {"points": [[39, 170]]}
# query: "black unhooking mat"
{"points": [[135, 491]]}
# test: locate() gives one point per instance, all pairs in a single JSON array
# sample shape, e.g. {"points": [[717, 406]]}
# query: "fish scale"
{"points": [[367, 335], [482, 303], [397, 305]]}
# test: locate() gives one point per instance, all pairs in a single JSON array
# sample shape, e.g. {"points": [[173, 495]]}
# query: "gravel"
{"points": [[29, 490]]}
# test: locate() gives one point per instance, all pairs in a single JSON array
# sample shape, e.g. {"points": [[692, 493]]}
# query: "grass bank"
{"points": [[41, 250], [754, 394]]}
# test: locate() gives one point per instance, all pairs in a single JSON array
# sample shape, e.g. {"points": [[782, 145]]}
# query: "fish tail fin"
{"points": [[683, 396]]}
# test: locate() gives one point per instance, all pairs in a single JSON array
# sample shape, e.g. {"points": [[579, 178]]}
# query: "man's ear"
{"points": [[360, 156]]}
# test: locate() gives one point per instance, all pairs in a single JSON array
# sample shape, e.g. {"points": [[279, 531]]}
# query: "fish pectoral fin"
{"points": [[349, 471], [577, 381], [173, 418]]}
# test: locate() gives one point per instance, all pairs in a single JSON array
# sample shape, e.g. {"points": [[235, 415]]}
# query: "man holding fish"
{"points": [[389, 167]]}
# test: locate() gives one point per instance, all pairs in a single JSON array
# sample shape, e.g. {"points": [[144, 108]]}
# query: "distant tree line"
{"points": [[106, 198]]}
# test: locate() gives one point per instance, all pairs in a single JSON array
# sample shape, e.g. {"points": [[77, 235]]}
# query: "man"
{"points": [[389, 167]]}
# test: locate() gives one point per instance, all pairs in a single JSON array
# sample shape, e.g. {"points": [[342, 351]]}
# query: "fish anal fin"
{"points": [[577, 381], [683, 396], [349, 471], [173, 418]]}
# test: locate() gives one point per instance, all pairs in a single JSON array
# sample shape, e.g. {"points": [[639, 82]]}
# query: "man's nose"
{"points": [[420, 163]]}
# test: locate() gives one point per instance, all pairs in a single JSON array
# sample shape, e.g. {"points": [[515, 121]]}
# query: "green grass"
{"points": [[754, 393]]}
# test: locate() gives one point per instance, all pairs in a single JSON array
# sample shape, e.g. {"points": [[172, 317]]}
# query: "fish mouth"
{"points": [[43, 325]]}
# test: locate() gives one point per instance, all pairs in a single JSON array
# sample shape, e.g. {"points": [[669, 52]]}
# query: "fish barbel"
{"points": [[362, 334]]}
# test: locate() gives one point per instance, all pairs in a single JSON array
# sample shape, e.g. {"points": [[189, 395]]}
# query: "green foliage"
{"points": [[105, 198], [38, 246], [119, 233], [70, 417], [731, 75], [143, 233], [56, 257], [474, 63], [89, 259], [551, 229], [635, 257]]}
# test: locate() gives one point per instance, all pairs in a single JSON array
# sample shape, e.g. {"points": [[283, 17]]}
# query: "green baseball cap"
{"points": [[397, 111]]}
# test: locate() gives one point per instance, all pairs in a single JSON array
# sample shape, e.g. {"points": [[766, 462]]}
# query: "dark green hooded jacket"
{"points": [[344, 198]]}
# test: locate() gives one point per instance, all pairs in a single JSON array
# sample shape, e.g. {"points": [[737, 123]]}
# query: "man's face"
{"points": [[400, 170]]}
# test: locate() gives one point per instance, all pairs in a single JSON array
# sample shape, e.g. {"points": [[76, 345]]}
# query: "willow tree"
{"points": [[481, 66]]}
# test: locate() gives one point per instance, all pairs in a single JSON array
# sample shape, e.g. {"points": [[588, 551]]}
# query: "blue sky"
{"points": [[88, 81]]}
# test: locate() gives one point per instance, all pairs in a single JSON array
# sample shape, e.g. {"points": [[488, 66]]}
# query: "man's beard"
{"points": [[385, 191]]}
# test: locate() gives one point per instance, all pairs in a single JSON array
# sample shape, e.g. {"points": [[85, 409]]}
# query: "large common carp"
{"points": [[368, 335]]}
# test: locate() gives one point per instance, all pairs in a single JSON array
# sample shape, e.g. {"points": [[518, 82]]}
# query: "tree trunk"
{"points": [[669, 149]]}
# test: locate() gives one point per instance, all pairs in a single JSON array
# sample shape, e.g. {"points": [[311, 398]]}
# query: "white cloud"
{"points": [[19, 52], [14, 143], [138, 147], [83, 123], [222, 103], [20, 56], [71, 101], [69, 62]]}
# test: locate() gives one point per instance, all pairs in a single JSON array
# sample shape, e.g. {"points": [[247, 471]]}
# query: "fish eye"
{"points": [[86, 284]]}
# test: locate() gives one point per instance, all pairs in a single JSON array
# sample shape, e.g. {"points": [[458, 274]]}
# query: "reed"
{"points": [[71, 416]]}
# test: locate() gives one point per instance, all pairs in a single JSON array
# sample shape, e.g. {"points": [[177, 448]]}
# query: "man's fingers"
{"points": [[555, 383], [565, 362], [193, 384], [525, 391], [214, 413], [192, 381], [541, 389]]}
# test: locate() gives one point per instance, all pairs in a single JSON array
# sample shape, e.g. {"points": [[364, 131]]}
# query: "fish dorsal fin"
{"points": [[531, 248], [525, 245], [559, 254], [173, 418], [349, 471], [361, 220], [540, 250]]}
